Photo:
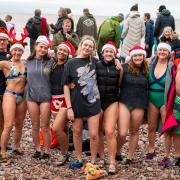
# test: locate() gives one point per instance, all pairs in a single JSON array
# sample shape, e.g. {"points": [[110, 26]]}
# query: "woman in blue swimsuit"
{"points": [[14, 104]]}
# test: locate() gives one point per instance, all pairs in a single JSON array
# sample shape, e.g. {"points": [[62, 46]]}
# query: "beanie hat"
{"points": [[164, 46], [3, 33], [43, 39], [18, 43], [70, 47], [161, 7], [134, 7], [137, 50], [111, 45]]}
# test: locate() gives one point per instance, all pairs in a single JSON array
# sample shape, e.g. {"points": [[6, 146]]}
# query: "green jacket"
{"points": [[59, 38], [109, 31]]}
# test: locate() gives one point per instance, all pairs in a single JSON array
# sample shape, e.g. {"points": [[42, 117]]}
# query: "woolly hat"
{"points": [[18, 43], [111, 45], [137, 50], [164, 46], [43, 39], [161, 7], [70, 47], [4, 33], [134, 7]]}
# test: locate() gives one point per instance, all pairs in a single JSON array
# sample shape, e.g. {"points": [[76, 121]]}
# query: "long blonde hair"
{"points": [[84, 38]]}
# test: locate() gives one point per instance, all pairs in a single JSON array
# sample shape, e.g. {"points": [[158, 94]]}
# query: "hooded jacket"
{"points": [[149, 32], [34, 27], [109, 31], [134, 30], [163, 20], [87, 26]]}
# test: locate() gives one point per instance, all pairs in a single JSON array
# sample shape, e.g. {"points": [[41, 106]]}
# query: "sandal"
{"points": [[65, 158], [17, 152], [150, 156], [112, 169], [4, 161], [36, 155], [119, 157], [76, 165]]}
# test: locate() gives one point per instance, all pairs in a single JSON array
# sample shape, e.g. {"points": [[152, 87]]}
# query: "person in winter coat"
{"points": [[149, 34], [3, 24], [109, 31], [164, 19], [86, 25], [63, 14], [134, 30], [36, 26], [65, 34]]}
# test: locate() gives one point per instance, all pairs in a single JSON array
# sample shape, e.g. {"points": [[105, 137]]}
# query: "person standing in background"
{"points": [[63, 14], [9, 24], [36, 26], [86, 25], [134, 30], [149, 34], [109, 31], [163, 19]]}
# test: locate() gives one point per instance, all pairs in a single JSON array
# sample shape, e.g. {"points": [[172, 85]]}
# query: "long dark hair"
{"points": [[33, 55]]}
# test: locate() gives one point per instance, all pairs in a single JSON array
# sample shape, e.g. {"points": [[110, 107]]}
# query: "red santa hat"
{"points": [[3, 33], [70, 48], [137, 50], [43, 39], [164, 46], [110, 45]]}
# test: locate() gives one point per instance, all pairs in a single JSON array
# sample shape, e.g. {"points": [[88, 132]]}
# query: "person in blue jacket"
{"points": [[149, 34]]}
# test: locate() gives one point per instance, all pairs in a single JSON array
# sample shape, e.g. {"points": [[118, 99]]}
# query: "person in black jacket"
{"points": [[63, 14], [164, 19], [108, 79], [36, 26], [149, 34]]}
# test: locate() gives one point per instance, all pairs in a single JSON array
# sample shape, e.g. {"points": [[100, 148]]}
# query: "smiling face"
{"points": [[62, 53], [167, 32], [41, 50], [16, 53], [108, 54], [87, 48], [3, 44], [162, 53], [138, 59]]}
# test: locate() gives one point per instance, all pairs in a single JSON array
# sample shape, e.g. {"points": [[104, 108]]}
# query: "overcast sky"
{"points": [[97, 7]]}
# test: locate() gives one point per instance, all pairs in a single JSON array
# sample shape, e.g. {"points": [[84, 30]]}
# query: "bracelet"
{"points": [[69, 108]]}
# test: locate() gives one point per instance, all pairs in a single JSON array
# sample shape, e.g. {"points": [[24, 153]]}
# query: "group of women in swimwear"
{"points": [[108, 95]]}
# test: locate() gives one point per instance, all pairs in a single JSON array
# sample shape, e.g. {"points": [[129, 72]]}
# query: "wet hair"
{"points": [[33, 55], [148, 15], [84, 38], [37, 12], [133, 69]]}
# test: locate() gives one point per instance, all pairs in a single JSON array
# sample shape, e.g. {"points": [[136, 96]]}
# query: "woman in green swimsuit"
{"points": [[157, 80]]}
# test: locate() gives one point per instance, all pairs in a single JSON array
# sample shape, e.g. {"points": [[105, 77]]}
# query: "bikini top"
{"points": [[15, 73]]}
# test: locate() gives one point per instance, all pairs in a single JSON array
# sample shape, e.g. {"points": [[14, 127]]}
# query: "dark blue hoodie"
{"points": [[149, 32]]}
